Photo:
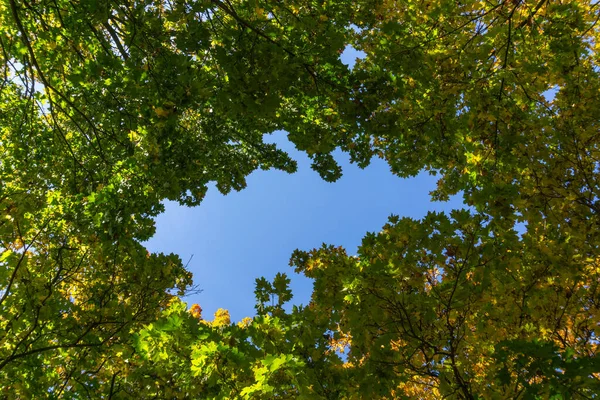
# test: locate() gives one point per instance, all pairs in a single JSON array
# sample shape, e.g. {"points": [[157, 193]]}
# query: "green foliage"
{"points": [[109, 108], [257, 358], [266, 292]]}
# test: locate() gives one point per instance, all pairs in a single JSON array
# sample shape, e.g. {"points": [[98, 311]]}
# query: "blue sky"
{"points": [[237, 238], [244, 235]]}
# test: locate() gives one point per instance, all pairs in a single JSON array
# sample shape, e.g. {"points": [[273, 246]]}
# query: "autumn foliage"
{"points": [[109, 108]]}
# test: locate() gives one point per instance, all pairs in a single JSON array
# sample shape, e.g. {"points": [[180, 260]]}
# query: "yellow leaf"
{"points": [[161, 112]]}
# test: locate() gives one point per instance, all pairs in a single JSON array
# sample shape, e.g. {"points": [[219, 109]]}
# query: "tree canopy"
{"points": [[109, 108]]}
